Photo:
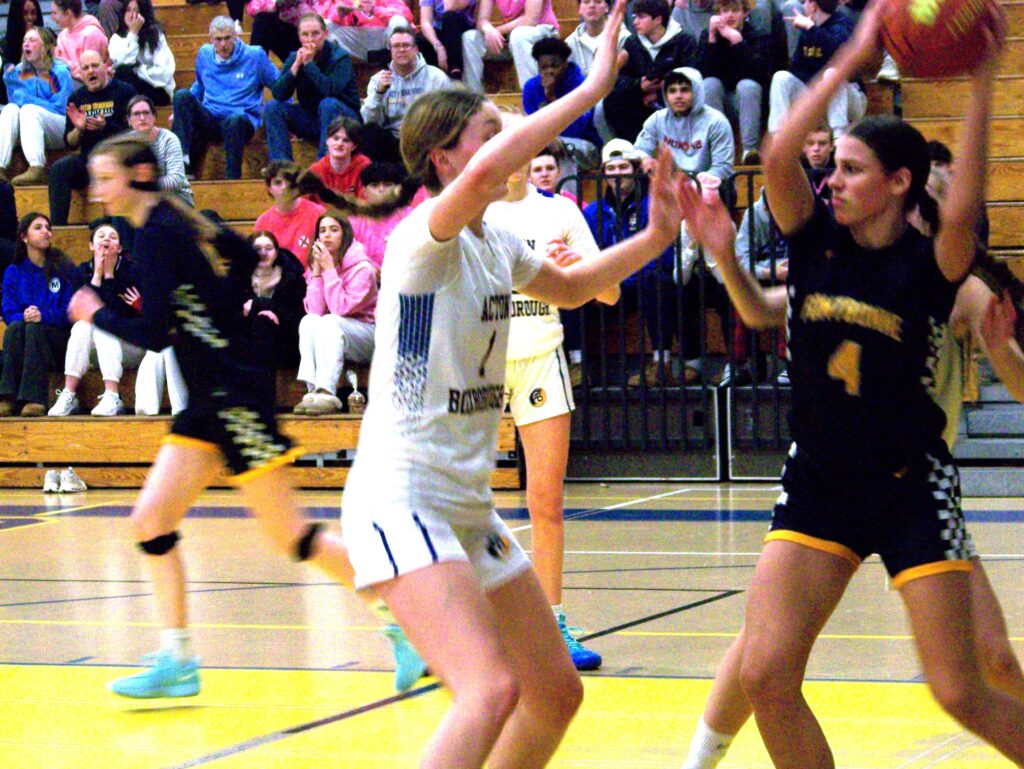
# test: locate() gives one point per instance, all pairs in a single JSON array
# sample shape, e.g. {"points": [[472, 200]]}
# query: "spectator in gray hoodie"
{"points": [[699, 136], [390, 93]]}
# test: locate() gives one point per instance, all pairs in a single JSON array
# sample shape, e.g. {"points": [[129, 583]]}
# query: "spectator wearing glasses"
{"points": [[166, 147], [320, 77], [390, 93]]}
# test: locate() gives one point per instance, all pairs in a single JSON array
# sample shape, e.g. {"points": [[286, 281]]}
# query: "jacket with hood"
{"points": [[236, 85], [612, 222], [534, 98], [155, 67], [329, 75], [85, 35], [655, 60], [111, 289], [700, 141], [584, 46], [388, 108], [350, 291], [749, 59], [758, 240], [815, 46], [49, 90]]}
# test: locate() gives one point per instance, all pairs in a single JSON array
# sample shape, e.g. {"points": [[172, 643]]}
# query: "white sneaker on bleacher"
{"points": [[51, 482], [70, 483], [109, 405], [66, 404]]}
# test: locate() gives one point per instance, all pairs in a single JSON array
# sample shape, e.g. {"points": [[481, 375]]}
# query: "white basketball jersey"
{"points": [[438, 378], [538, 220]]}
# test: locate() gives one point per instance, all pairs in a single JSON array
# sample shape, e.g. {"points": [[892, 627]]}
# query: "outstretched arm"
{"points": [[473, 190], [992, 319], [954, 242], [790, 192]]}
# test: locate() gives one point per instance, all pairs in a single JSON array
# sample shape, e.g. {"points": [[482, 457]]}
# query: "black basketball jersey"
{"points": [[865, 327]]}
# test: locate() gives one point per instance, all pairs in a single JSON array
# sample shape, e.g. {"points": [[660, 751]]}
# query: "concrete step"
{"points": [[991, 482], [989, 448], [996, 420], [995, 393]]}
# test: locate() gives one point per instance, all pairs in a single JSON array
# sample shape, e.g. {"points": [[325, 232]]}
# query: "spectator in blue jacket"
{"points": [[37, 290], [226, 101], [822, 31], [558, 76], [38, 90], [320, 76], [620, 214]]}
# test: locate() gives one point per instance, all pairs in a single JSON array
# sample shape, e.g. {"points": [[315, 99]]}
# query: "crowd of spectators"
{"points": [[692, 71]]}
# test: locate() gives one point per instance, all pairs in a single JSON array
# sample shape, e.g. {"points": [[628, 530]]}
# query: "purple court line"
{"points": [[266, 739]]}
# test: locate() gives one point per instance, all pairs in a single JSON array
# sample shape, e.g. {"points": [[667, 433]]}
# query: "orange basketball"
{"points": [[934, 38]]}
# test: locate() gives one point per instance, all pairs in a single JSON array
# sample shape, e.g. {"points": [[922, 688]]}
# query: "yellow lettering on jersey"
{"points": [[819, 307], [844, 365]]}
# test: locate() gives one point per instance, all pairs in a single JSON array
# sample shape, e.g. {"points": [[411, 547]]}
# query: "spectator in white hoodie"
{"points": [[140, 53]]}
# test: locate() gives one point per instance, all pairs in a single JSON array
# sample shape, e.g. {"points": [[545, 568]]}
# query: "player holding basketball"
{"points": [[868, 303]]}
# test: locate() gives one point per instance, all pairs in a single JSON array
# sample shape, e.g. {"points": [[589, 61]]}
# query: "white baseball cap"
{"points": [[618, 148]]}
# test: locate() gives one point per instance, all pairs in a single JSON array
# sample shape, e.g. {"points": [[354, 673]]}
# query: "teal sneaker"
{"points": [[168, 677], [582, 658], [409, 666]]}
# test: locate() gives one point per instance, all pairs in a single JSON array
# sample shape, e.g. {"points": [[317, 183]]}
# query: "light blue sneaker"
{"points": [[168, 677], [582, 658], [409, 666]]}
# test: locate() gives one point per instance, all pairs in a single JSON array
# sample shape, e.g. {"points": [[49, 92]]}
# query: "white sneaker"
{"points": [[51, 482], [109, 405], [889, 71], [66, 404], [70, 483]]}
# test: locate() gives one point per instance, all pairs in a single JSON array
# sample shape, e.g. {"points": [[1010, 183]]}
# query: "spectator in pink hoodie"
{"points": [[380, 183], [361, 26], [341, 302], [77, 33]]}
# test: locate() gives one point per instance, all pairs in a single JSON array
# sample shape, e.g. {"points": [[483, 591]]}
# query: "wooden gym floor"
{"points": [[294, 674]]}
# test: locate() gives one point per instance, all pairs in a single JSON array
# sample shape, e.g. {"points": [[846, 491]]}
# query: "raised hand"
{"points": [[708, 221], [665, 213], [995, 39]]}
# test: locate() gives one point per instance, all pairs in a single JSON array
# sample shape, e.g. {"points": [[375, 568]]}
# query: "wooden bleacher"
{"points": [[115, 452]]}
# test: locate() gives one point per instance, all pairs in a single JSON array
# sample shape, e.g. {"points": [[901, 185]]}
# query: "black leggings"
{"points": [[449, 30], [31, 352]]}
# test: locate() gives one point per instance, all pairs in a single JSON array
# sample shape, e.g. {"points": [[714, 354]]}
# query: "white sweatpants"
{"points": [[35, 128], [90, 345], [520, 43], [325, 341], [847, 106], [156, 369]]}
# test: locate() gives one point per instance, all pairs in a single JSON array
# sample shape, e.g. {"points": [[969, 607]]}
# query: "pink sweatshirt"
{"points": [[291, 11], [513, 9], [374, 233], [350, 292], [383, 10], [86, 35]]}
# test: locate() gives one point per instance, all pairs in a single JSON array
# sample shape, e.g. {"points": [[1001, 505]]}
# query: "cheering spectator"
{"points": [[112, 275], [37, 288], [292, 219], [273, 306], [442, 25], [38, 89], [735, 60], [166, 147], [699, 137], [362, 26], [96, 111], [341, 304], [822, 31], [320, 76], [226, 101], [390, 93], [78, 34], [140, 53], [524, 22], [656, 48], [340, 168]]}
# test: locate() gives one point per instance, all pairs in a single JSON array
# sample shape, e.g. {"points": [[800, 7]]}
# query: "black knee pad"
{"points": [[304, 547], [160, 545]]}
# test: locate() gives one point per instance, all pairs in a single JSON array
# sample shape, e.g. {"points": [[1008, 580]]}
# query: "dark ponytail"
{"points": [[310, 184]]}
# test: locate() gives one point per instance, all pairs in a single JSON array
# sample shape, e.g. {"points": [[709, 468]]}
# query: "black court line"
{"points": [[143, 595], [267, 739], [625, 569]]}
